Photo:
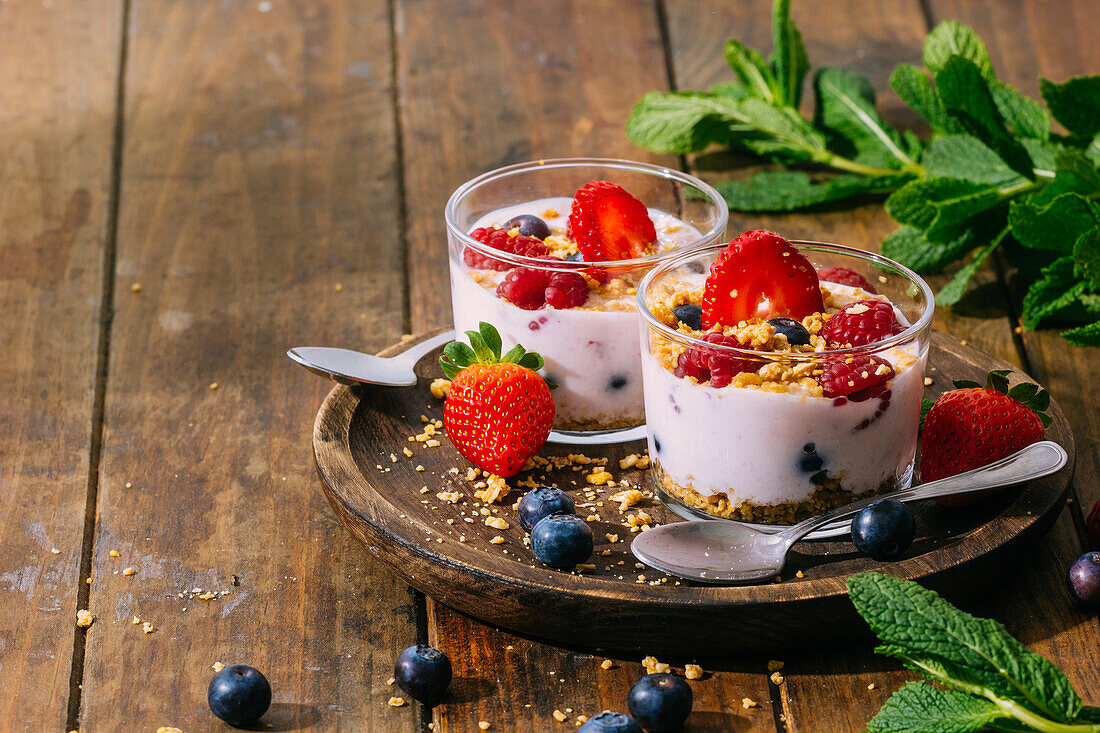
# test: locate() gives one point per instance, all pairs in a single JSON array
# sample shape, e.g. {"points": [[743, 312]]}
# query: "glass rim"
{"points": [[909, 334], [659, 171]]}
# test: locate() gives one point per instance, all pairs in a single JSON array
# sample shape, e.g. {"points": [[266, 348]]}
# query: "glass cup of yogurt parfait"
{"points": [[581, 316], [753, 427]]}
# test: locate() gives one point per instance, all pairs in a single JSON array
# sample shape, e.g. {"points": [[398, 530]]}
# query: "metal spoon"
{"points": [[354, 367], [732, 552]]}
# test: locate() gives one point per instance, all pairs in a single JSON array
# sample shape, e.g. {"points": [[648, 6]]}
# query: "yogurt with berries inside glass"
{"points": [[759, 416], [551, 253]]}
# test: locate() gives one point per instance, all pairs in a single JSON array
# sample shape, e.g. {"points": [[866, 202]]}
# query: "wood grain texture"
{"points": [[259, 212], [57, 111]]}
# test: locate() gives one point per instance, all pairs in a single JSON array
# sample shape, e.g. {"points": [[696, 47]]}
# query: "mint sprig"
{"points": [[992, 177], [993, 680]]}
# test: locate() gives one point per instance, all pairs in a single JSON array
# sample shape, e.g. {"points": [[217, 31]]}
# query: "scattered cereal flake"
{"points": [[800, 574], [582, 719], [147, 627], [748, 702], [396, 702], [129, 485], [451, 497], [408, 453], [55, 551], [928, 381], [495, 489], [432, 443], [135, 288], [653, 666], [84, 618], [390, 681], [627, 498], [128, 571], [693, 671], [612, 538], [113, 553], [559, 716], [136, 620], [495, 541], [871, 686], [639, 519], [440, 387], [598, 476], [483, 725], [583, 567], [496, 523], [606, 664], [418, 468], [208, 596], [168, 729], [634, 461], [338, 287], [774, 665], [776, 677], [217, 666], [213, 386]]}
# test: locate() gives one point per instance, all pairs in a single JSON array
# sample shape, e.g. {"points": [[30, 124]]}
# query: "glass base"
{"points": [[598, 437], [833, 529]]}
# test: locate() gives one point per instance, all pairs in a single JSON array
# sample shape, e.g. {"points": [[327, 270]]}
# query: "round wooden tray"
{"points": [[375, 489]]}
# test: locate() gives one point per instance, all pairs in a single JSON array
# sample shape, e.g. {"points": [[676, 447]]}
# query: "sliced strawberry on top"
{"points": [[760, 275], [609, 224]]}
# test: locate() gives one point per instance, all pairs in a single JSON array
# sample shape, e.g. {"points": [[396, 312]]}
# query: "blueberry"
{"points": [[697, 267], [1084, 580], [529, 225], [423, 671], [660, 702], [617, 382], [575, 257], [542, 502], [884, 530], [690, 315], [561, 541], [239, 695], [609, 722], [810, 461], [796, 333]]}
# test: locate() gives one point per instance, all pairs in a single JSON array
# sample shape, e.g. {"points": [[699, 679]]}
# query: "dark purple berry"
{"points": [[660, 702], [608, 722], [690, 315], [575, 257], [529, 225], [884, 530], [423, 671], [239, 695], [561, 541], [796, 333], [1083, 580], [542, 502]]}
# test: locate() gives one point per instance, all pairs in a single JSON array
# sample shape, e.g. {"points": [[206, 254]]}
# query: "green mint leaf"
{"points": [[1084, 336], [786, 134], [918, 707], [952, 38], [789, 61], [791, 190], [941, 206], [1073, 173], [967, 98], [1086, 256], [1093, 150], [968, 158], [753, 72], [908, 246], [1055, 296], [953, 291], [1075, 103], [1023, 115], [1090, 714], [925, 405], [490, 337], [914, 88], [1055, 225], [845, 107], [1043, 154], [978, 652], [685, 122]]}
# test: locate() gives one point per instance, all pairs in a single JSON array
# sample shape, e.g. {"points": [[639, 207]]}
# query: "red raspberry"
{"points": [[566, 290], [500, 239], [856, 377], [710, 365], [844, 276], [531, 288], [861, 323]]}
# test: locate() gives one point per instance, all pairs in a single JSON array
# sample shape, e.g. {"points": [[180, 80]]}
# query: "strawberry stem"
{"points": [[484, 348]]}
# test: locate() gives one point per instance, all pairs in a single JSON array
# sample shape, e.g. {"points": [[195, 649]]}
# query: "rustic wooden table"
{"points": [[188, 188]]}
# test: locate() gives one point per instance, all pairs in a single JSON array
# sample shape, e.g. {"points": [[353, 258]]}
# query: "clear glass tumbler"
{"points": [[592, 351], [754, 435]]}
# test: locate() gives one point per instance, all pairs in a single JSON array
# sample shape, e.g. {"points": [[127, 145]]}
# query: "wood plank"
{"points": [[497, 88], [57, 114], [1026, 40], [258, 212]]}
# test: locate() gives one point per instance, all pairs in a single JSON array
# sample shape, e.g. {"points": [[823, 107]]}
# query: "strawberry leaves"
{"points": [[1028, 394], [993, 177], [484, 348]]}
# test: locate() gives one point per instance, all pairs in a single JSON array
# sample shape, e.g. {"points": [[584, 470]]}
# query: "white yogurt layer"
{"points": [[759, 447], [592, 353]]}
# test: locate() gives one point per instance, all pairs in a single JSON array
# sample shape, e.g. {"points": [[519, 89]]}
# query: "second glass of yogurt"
{"points": [[767, 422], [587, 332]]}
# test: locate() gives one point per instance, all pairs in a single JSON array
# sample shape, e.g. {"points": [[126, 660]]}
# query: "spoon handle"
{"points": [[413, 354], [1035, 461]]}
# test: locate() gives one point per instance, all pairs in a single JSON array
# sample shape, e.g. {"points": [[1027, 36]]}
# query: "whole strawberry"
{"points": [[499, 410], [974, 425]]}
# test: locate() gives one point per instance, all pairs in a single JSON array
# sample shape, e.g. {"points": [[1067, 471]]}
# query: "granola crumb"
{"points": [[598, 477], [612, 538], [147, 627], [128, 571], [390, 681], [440, 387], [217, 666], [396, 702], [135, 288], [113, 553], [168, 729], [800, 574], [584, 567], [653, 666], [606, 664], [498, 540], [693, 671], [213, 386], [928, 381], [55, 551], [748, 702], [871, 686], [627, 498], [483, 725], [496, 523], [559, 716], [496, 488], [136, 620], [451, 497], [776, 677], [84, 618]]}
